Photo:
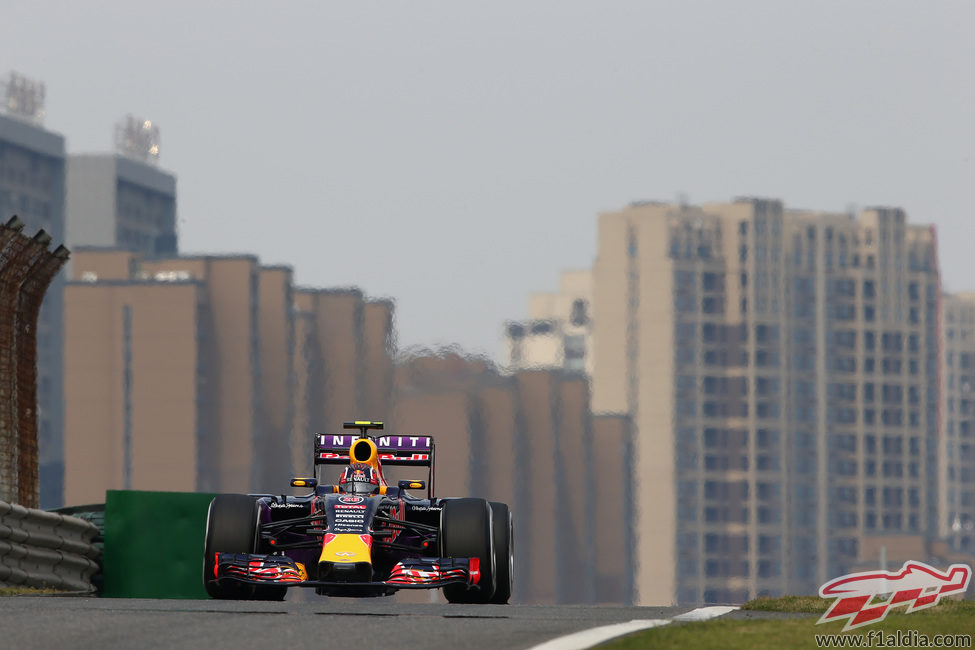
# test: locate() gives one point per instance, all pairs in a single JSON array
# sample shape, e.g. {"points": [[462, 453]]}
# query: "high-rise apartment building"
{"points": [[957, 460], [781, 369], [32, 186]]}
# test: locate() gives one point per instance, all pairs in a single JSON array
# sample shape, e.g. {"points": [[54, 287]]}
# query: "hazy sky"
{"points": [[454, 155]]}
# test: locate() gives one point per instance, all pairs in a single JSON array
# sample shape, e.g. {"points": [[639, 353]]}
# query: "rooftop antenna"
{"points": [[23, 98], [137, 138]]}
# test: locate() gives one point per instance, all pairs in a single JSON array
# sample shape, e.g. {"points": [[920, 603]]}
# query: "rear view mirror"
{"points": [[412, 485], [304, 482]]}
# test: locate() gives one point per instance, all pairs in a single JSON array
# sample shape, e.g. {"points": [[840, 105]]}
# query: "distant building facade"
{"points": [[957, 470], [32, 186], [115, 201], [528, 440], [558, 331], [196, 373], [781, 371]]}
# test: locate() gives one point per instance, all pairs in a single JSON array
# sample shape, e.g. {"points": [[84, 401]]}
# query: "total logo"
{"points": [[350, 499]]}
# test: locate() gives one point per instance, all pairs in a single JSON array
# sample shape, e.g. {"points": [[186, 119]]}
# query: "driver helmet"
{"points": [[359, 479]]}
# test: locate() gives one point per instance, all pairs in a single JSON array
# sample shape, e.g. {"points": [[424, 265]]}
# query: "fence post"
{"points": [[27, 268]]}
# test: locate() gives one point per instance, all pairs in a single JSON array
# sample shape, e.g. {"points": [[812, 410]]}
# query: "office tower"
{"points": [[378, 350], [343, 363], [349, 340], [32, 186], [136, 392], [169, 351], [122, 199], [230, 364], [780, 368], [276, 328]]}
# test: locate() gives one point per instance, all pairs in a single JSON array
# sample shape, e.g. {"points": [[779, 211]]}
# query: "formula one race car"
{"points": [[360, 537]]}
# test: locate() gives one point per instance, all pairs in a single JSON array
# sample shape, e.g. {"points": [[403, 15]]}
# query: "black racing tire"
{"points": [[232, 525], [465, 531], [504, 552]]}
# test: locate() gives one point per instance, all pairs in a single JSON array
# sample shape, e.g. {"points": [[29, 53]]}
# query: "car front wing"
{"points": [[410, 573]]}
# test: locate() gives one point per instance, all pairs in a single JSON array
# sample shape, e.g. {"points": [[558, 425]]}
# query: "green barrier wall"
{"points": [[154, 544]]}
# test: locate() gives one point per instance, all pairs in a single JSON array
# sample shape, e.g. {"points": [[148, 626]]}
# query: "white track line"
{"points": [[589, 638], [593, 636], [704, 613]]}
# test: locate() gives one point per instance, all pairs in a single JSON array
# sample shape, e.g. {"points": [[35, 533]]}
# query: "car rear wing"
{"points": [[333, 449]]}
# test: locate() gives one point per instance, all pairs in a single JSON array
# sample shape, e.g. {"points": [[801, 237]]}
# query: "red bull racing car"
{"points": [[361, 536]]}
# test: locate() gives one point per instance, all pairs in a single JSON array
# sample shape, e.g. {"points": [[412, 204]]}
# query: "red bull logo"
{"points": [[865, 598]]}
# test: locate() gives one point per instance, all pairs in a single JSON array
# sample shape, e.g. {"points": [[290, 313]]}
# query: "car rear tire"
{"points": [[232, 525], [466, 531], [504, 557]]}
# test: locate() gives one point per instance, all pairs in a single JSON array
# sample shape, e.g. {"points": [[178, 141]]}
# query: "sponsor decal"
{"points": [[350, 499], [392, 442], [426, 508], [329, 455], [349, 518], [865, 598], [287, 505], [404, 441]]}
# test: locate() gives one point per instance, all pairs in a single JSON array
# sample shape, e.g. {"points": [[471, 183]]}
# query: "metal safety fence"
{"points": [[27, 268], [46, 550]]}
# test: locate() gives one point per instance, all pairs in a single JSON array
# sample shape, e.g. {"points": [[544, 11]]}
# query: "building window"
{"points": [[541, 327], [712, 281], [892, 342], [579, 315], [868, 340], [892, 366], [712, 305]]}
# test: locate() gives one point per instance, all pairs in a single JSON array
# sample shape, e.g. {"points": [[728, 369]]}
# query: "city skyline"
{"points": [[454, 160]]}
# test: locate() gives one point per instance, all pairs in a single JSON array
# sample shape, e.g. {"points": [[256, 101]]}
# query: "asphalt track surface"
{"points": [[351, 624]]}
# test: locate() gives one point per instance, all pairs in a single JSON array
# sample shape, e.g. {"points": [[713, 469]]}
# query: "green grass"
{"points": [[791, 604], [949, 617], [26, 591]]}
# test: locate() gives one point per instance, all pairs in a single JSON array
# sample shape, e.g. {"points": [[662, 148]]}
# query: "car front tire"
{"points": [[232, 527], [466, 531], [504, 556]]}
